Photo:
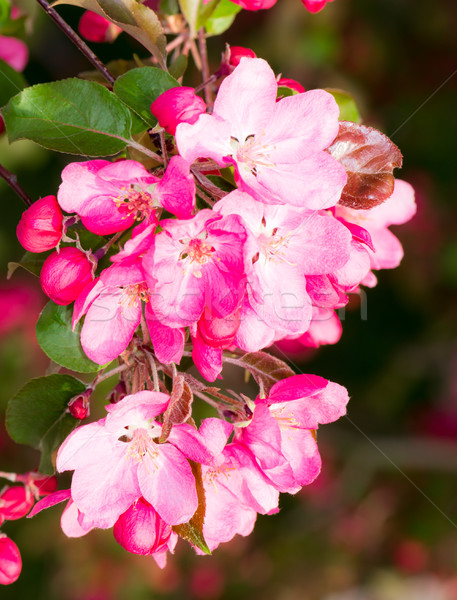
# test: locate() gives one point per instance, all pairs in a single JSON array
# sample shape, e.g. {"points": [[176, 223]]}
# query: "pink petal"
{"points": [[176, 190], [14, 52]]}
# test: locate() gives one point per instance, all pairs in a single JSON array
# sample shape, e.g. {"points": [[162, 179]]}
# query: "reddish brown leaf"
{"points": [[266, 369], [179, 409], [369, 158]]}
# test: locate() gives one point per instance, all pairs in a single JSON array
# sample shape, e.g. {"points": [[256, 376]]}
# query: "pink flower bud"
{"points": [[10, 560], [177, 105], [117, 393], [2, 125], [291, 84], [79, 405], [15, 502], [65, 274], [41, 225], [42, 485], [140, 530], [315, 6], [237, 53], [95, 28]]}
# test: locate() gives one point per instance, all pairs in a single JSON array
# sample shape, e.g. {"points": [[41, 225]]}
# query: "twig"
{"points": [[11, 180], [163, 144], [206, 184], [109, 374], [205, 66], [79, 43]]}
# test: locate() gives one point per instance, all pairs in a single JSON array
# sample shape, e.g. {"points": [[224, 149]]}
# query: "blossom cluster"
{"points": [[243, 237]]}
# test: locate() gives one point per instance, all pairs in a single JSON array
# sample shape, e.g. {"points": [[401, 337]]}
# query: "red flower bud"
{"points": [[10, 560], [41, 225], [42, 485], [15, 502], [140, 529], [237, 53], [79, 405], [117, 393], [65, 274], [291, 84], [95, 28], [177, 105]]}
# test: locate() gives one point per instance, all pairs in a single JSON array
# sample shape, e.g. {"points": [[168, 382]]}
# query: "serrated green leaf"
{"points": [[37, 415], [138, 88], [11, 83], [222, 17], [347, 105], [59, 342], [134, 18], [72, 115]]}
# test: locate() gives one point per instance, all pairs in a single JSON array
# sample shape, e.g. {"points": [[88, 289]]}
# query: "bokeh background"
{"points": [[380, 523]]}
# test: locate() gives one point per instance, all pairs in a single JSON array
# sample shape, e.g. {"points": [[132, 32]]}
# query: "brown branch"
{"points": [[79, 43], [11, 180]]}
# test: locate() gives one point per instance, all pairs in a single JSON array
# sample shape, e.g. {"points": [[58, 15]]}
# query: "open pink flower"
{"points": [[196, 263], [110, 197], [281, 432], [276, 147], [118, 460]]}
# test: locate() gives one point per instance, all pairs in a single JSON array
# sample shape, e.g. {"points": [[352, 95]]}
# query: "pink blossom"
{"points": [[10, 560], [194, 264], [315, 6], [177, 105], [140, 530], [110, 197], [41, 225], [255, 4], [118, 459], [14, 52], [15, 502], [278, 148], [284, 247], [95, 28], [65, 274], [281, 433]]}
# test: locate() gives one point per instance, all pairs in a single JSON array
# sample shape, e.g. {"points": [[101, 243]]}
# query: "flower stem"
{"points": [[11, 180], [205, 66], [79, 43]]}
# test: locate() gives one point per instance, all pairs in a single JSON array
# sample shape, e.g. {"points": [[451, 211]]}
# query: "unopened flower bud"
{"points": [[140, 530], [236, 53], [15, 502], [291, 84], [65, 274], [95, 28], [41, 226], [177, 105], [10, 560], [117, 393], [79, 405], [41, 485]]}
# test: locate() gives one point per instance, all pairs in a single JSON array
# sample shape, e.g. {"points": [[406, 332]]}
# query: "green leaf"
{"points": [[37, 415], [192, 531], [189, 9], [138, 88], [31, 262], [73, 115], [348, 107], [134, 18], [222, 17], [178, 66], [205, 11], [61, 344], [11, 83], [5, 11]]}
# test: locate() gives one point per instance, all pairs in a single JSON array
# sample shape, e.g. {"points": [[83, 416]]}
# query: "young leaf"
{"points": [[266, 369], [192, 531], [222, 17], [11, 82], [59, 342], [369, 158], [189, 9], [37, 415], [179, 408], [72, 115], [347, 105], [138, 88], [31, 262], [133, 17]]}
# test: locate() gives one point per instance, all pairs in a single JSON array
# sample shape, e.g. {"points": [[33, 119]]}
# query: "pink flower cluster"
{"points": [[126, 479], [271, 260]]}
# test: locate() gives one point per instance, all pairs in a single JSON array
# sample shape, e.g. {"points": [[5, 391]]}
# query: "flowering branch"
{"points": [[11, 180]]}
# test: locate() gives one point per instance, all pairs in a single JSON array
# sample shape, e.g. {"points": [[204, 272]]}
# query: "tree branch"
{"points": [[11, 180]]}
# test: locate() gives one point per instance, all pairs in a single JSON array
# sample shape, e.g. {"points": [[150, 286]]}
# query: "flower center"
{"points": [[135, 293], [141, 445], [284, 419], [135, 202], [273, 246], [251, 153], [197, 253]]}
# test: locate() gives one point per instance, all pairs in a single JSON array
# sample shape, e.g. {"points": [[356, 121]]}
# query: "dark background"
{"points": [[380, 521]]}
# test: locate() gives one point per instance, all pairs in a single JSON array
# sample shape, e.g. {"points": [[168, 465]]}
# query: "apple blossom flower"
{"points": [[15, 502], [111, 197], [281, 432], [277, 148], [177, 105], [41, 225], [10, 560], [236, 53], [65, 274]]}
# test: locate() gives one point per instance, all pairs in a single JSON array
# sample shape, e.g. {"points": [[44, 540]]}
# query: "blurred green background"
{"points": [[380, 523]]}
